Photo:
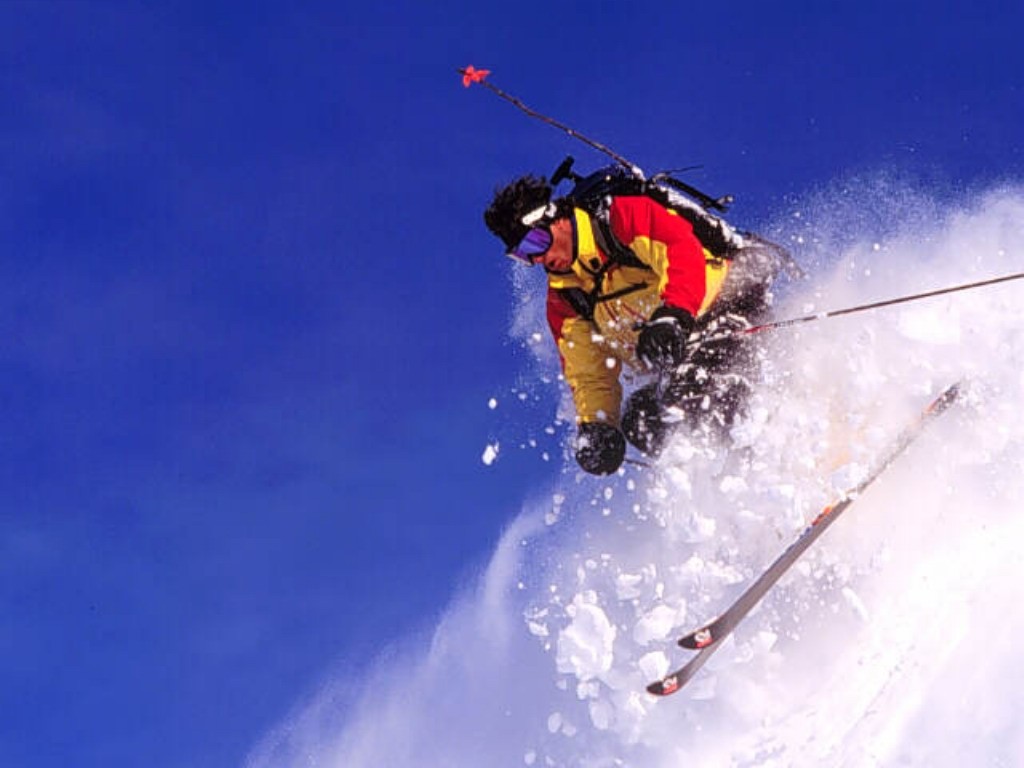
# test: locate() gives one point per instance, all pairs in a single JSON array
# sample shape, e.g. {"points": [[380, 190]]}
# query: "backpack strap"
{"points": [[617, 251], [580, 301]]}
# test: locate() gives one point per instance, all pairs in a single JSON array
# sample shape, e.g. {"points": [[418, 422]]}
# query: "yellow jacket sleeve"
{"points": [[591, 372]]}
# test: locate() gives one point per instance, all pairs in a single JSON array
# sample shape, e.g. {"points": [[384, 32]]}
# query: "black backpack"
{"points": [[593, 193]]}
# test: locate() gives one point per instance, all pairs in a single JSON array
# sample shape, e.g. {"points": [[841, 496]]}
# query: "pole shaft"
{"points": [[878, 304]]}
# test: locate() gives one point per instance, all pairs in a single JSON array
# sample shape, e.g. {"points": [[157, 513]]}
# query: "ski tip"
{"points": [[665, 686], [953, 391], [949, 395], [697, 640]]}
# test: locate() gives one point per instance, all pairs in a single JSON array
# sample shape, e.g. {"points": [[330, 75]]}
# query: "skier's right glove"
{"points": [[600, 447], [661, 344]]}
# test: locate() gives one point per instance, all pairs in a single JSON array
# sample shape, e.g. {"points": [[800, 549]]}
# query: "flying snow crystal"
{"points": [[893, 643], [490, 454], [555, 512], [492, 403], [554, 722]]}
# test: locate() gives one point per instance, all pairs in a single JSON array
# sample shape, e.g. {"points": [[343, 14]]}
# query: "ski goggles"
{"points": [[534, 244], [538, 239]]}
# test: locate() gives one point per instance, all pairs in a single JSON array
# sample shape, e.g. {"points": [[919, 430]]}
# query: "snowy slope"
{"points": [[892, 643]]}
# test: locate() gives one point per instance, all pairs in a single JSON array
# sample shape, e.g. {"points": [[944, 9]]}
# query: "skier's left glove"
{"points": [[661, 344], [600, 447]]}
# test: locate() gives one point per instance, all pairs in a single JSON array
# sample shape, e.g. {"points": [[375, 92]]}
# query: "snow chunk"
{"points": [[537, 629], [601, 714], [653, 665], [654, 625], [557, 723], [854, 601], [763, 642], [585, 646], [554, 722], [925, 326], [490, 454], [699, 528], [627, 585], [848, 476], [732, 485]]}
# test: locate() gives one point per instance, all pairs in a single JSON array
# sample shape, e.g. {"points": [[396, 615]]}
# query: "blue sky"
{"points": [[253, 319]]}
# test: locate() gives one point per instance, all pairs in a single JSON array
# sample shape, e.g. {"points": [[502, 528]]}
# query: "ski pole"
{"points": [[472, 75], [877, 304]]}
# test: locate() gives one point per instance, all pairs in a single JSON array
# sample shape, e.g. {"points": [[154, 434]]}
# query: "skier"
{"points": [[630, 284]]}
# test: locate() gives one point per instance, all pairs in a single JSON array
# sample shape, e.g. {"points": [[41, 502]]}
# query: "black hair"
{"points": [[511, 202]]}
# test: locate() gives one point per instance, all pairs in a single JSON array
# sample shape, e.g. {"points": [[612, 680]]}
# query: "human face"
{"points": [[560, 255]]}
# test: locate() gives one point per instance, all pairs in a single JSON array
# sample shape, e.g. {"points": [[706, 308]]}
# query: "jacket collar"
{"points": [[589, 257]]}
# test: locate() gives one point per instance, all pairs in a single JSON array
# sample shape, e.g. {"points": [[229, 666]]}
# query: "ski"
{"points": [[710, 637]]}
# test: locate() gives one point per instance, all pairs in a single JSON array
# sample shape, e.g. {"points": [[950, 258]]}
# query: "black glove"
{"points": [[600, 447], [662, 341]]}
